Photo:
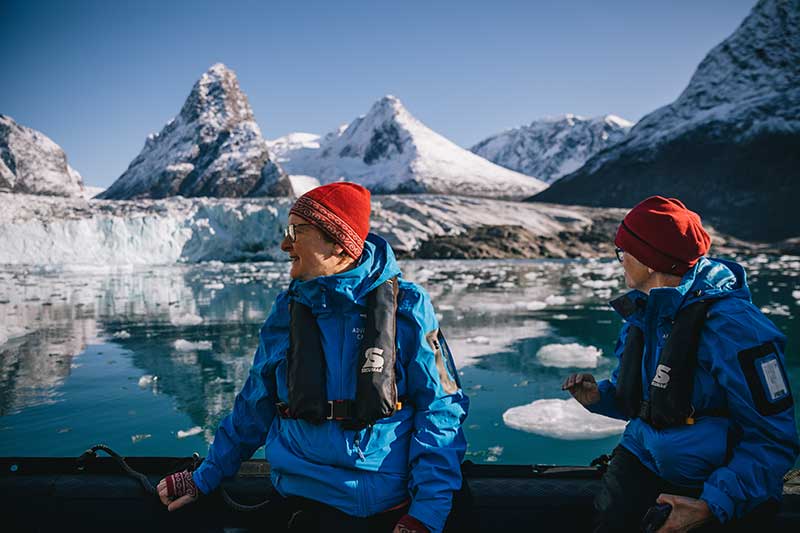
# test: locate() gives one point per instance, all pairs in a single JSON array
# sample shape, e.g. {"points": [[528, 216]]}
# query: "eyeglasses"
{"points": [[290, 231], [620, 253]]}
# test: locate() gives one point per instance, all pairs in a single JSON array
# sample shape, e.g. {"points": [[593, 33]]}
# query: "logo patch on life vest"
{"points": [[374, 362], [661, 378]]}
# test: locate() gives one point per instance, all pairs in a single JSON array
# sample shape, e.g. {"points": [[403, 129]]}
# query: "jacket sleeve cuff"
{"points": [[607, 405], [719, 502], [432, 520], [206, 477]]}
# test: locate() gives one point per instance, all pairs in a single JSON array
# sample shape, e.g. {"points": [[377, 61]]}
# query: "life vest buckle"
{"points": [[340, 410]]}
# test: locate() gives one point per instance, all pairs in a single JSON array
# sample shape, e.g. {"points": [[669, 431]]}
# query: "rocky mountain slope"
{"points": [[552, 148], [729, 146], [31, 163], [212, 148]]}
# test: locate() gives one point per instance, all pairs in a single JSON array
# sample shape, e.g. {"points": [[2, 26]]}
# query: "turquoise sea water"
{"points": [[136, 358]]}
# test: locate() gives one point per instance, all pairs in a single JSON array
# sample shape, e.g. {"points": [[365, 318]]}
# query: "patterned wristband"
{"points": [[181, 484]]}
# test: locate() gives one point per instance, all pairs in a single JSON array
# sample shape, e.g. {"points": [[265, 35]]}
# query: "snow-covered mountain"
{"points": [[31, 163], [553, 147], [212, 148], [729, 146], [389, 151]]}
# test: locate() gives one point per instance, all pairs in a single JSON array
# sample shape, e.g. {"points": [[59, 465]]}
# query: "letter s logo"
{"points": [[661, 378], [374, 361]]}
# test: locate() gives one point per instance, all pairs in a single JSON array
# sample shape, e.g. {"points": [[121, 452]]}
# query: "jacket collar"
{"points": [[376, 265], [708, 279]]}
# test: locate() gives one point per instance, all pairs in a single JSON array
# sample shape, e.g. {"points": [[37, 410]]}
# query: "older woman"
{"points": [[352, 388]]}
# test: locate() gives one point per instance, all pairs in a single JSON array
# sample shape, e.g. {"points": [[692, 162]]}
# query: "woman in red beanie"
{"points": [[352, 390], [701, 379]]}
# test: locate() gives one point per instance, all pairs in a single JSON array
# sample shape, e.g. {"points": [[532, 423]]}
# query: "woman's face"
{"points": [[311, 254], [637, 275]]}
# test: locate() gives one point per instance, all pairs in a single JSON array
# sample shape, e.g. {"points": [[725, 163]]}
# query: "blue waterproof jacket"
{"points": [[763, 442], [414, 454]]}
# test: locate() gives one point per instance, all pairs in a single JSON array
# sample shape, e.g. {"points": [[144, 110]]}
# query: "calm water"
{"points": [[139, 358]]}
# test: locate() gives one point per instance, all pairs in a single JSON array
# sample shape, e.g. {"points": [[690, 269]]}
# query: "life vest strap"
{"points": [[341, 410], [644, 413]]}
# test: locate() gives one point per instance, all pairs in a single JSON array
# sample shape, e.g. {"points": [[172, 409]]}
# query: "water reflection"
{"points": [[195, 327]]}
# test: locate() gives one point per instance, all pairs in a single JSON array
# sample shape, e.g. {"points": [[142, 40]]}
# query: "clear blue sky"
{"points": [[98, 76]]}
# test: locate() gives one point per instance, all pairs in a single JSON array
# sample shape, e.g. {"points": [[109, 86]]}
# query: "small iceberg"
{"points": [[562, 419], [183, 345], [186, 319], [140, 437], [571, 355], [189, 432], [147, 380]]}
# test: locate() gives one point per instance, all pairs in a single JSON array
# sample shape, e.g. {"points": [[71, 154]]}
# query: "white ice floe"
{"points": [[600, 283], [214, 286], [776, 309], [796, 295], [469, 343], [561, 419], [571, 355], [147, 380], [535, 306], [186, 319], [477, 340], [122, 334], [182, 345], [140, 437], [196, 430], [555, 300]]}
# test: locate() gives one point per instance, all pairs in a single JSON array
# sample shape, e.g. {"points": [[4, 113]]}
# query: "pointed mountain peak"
{"points": [[217, 99], [212, 148]]}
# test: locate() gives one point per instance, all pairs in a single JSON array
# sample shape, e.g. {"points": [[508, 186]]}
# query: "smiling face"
{"points": [[313, 254]]}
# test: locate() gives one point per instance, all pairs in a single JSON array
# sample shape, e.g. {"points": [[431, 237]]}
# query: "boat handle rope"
{"points": [[148, 487]]}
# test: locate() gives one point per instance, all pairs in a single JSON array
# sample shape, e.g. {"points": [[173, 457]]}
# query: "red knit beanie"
{"points": [[340, 209], [662, 234]]}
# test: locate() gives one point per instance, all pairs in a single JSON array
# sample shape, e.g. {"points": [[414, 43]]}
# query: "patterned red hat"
{"points": [[340, 209], [664, 235]]}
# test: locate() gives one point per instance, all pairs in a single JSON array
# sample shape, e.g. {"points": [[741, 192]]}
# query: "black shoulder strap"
{"points": [[629, 378], [672, 386], [305, 366], [376, 385]]}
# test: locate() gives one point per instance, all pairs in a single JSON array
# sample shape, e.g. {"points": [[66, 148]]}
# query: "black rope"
{"points": [[148, 487]]}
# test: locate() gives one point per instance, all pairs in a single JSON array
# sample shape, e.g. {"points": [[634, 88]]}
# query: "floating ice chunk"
{"points": [[140, 437], [535, 306], [569, 355], [796, 295], [147, 380], [776, 309], [121, 334], [600, 283], [448, 307], [186, 319], [189, 432], [561, 419], [215, 286], [182, 345], [555, 300], [477, 340], [496, 450]]}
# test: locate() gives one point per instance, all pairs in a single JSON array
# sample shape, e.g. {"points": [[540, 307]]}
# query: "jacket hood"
{"points": [[708, 279], [376, 265]]}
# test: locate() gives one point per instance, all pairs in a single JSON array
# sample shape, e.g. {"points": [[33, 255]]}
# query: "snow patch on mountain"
{"points": [[389, 151], [553, 147], [31, 163], [212, 148]]}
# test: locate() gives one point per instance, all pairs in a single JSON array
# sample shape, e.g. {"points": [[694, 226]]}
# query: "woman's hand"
{"points": [[687, 513], [583, 388], [177, 490]]}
